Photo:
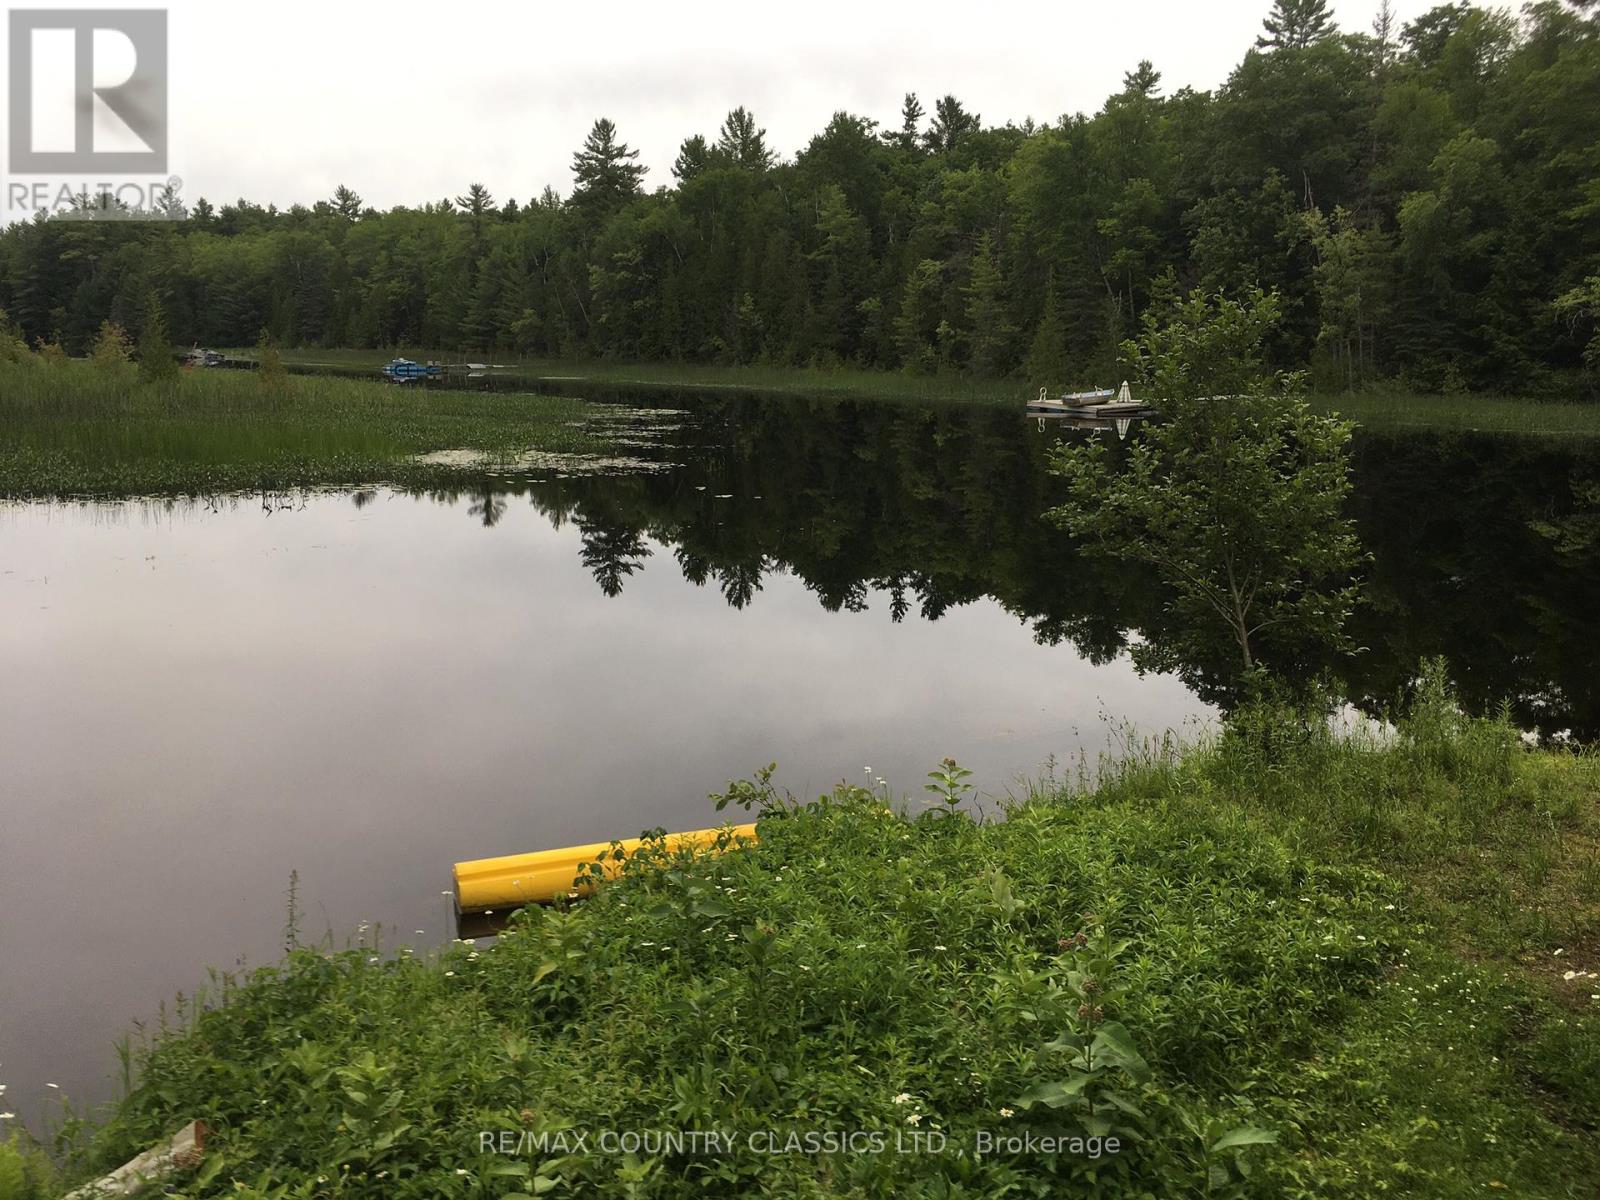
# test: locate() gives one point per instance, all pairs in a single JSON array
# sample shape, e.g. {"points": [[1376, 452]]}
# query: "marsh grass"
{"points": [[75, 429], [1394, 410], [1276, 966], [1379, 409]]}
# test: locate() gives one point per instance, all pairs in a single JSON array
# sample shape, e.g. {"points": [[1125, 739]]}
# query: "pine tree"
{"points": [[917, 325], [1383, 35], [989, 331], [1295, 24], [477, 202], [1143, 80], [910, 131], [743, 144], [605, 172], [156, 361], [345, 202], [951, 123], [694, 156], [1047, 358]]}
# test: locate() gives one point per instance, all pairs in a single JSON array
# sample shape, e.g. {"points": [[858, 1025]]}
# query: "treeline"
{"points": [[1426, 198]]}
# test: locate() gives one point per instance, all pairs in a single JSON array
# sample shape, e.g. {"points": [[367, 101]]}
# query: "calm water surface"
{"points": [[198, 698]]}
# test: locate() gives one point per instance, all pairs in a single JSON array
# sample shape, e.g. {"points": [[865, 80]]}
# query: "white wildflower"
{"points": [[1006, 1112], [913, 1118], [903, 1098]]}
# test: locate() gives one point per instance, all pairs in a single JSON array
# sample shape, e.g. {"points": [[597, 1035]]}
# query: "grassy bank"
{"points": [[1302, 967], [1379, 409], [72, 429]]}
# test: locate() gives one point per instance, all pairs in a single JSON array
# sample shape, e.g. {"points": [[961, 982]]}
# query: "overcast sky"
{"points": [[407, 102]]}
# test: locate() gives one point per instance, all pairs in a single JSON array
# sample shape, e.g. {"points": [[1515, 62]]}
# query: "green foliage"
{"points": [[949, 783], [606, 172], [1581, 307], [26, 1172], [1236, 497], [1349, 284], [1198, 957], [13, 348], [1295, 24], [157, 362], [1449, 173], [269, 363], [113, 350]]}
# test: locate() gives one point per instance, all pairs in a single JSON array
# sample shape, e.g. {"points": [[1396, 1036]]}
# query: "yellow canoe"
{"points": [[513, 880]]}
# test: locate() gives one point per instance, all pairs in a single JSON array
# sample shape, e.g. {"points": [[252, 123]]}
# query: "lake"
{"points": [[201, 697]]}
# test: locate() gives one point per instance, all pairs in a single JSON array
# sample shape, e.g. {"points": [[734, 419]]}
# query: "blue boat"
{"points": [[403, 370]]}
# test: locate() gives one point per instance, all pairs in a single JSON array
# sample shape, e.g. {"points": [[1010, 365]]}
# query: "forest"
{"points": [[1423, 196]]}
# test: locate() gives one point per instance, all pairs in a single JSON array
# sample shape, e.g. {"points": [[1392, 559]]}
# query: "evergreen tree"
{"points": [[1143, 80], [477, 203], [1383, 36], [157, 363], [1295, 24], [694, 156], [989, 332], [951, 123], [1047, 357], [742, 144], [909, 135], [605, 172], [345, 202], [917, 326]]}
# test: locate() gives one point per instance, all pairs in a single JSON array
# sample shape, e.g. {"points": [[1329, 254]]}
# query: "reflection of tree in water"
{"points": [[488, 506], [612, 551], [1485, 551]]}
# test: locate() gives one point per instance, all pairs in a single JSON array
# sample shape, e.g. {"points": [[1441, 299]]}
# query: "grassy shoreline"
{"points": [[71, 429], [1322, 966], [1381, 409]]}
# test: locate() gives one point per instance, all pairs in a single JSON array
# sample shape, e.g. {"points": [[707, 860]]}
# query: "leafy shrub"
{"points": [[1195, 958]]}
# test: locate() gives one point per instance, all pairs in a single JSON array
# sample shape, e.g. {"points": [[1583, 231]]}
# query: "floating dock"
{"points": [[1102, 405], [489, 884], [1100, 412]]}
